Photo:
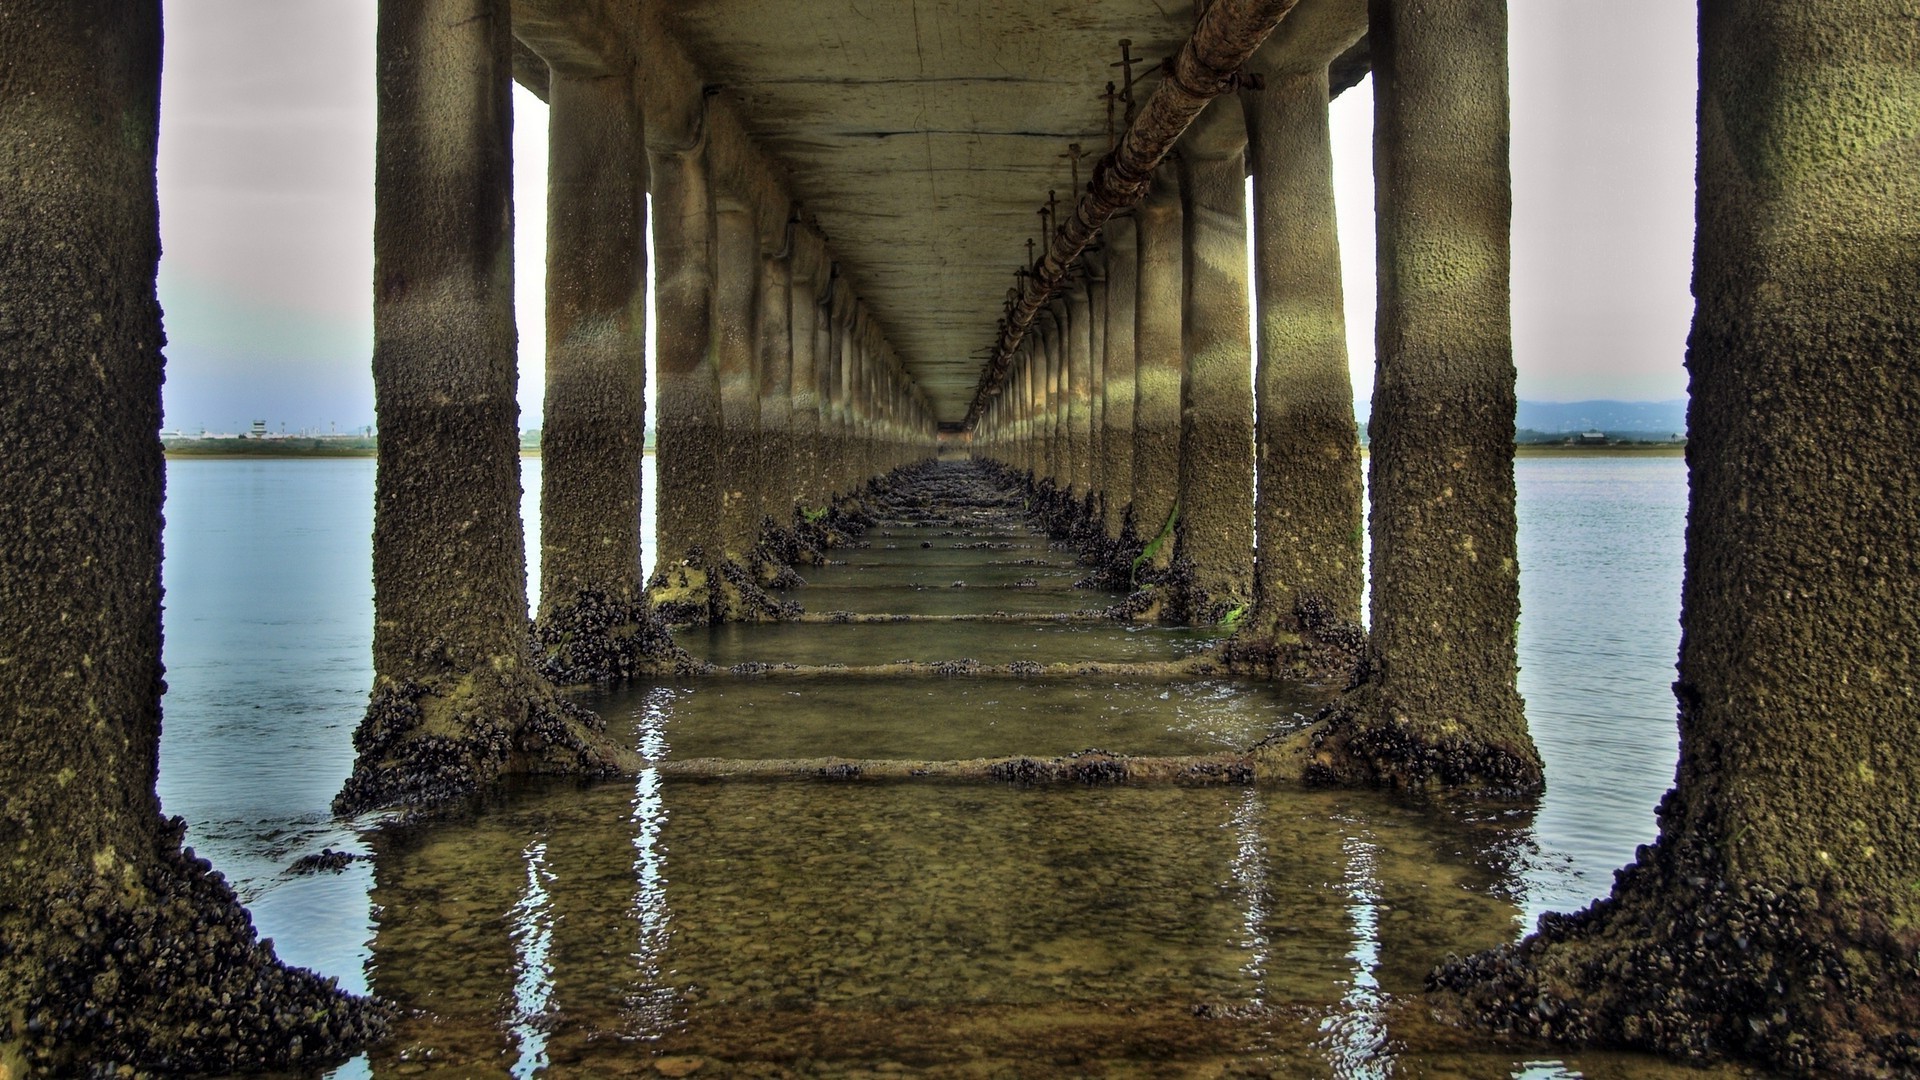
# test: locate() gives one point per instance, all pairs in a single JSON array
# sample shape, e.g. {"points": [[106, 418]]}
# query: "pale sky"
{"points": [[266, 197]]}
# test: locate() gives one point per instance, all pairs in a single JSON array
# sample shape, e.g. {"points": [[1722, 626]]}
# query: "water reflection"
{"points": [[531, 928], [1357, 1030], [927, 928], [651, 1002]]}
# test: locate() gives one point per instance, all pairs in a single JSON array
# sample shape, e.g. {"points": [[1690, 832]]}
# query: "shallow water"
{"points": [[946, 719], [837, 929]]}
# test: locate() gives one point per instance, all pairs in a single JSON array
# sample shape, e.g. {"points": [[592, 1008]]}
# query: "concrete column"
{"points": [[1216, 420], [1445, 577], [825, 352], [1116, 384], [1030, 390], [842, 385], [1308, 514], [1157, 369], [687, 454], [1079, 391], [1053, 348], [736, 297], [780, 456], [454, 698], [808, 269], [94, 883], [595, 411], [1793, 830], [1097, 329]]}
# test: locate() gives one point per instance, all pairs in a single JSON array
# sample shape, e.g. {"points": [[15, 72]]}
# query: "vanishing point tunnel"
{"points": [[1018, 239]]}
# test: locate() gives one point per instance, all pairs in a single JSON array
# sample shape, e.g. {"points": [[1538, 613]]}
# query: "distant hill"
{"points": [[1651, 418]]}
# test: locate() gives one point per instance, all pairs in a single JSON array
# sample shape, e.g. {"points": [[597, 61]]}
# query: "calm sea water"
{"points": [[268, 627]]}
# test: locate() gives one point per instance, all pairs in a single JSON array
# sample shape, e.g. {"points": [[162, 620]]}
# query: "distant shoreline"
{"points": [[271, 450]]}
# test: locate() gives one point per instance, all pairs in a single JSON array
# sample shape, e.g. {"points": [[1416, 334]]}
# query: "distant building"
{"points": [[1590, 438], [258, 430]]}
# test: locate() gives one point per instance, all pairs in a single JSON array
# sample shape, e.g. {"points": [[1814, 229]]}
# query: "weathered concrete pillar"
{"points": [[94, 887], [1440, 707], [1116, 384], [1078, 330], [1157, 370], [455, 701], [687, 453], [833, 388], [808, 273], [780, 456], [1216, 419], [1776, 917], [594, 622], [1053, 348], [845, 440], [736, 296], [1030, 389], [1097, 330], [1308, 572]]}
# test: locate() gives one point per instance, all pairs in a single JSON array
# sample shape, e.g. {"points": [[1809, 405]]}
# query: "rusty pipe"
{"points": [[1228, 35]]}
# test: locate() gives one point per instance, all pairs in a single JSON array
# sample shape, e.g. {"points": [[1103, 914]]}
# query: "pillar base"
{"points": [[598, 639], [1680, 961], [426, 747], [1356, 743], [159, 968], [694, 592], [1309, 644]]}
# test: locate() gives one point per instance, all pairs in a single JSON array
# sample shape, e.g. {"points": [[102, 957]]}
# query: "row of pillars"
{"points": [[1774, 919], [1137, 389], [777, 387]]}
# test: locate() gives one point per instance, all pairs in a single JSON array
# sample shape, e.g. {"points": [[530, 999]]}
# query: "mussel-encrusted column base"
{"points": [[425, 748]]}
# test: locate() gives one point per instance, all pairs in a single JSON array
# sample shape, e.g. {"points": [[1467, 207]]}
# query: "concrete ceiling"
{"points": [[924, 136]]}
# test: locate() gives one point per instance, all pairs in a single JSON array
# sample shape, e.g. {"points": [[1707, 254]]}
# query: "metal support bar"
{"points": [[1228, 35]]}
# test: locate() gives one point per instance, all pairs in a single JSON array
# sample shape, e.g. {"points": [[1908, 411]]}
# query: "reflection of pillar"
{"points": [[1116, 382], [466, 969], [1445, 578], [736, 269], [454, 699], [1156, 409], [1308, 515], [1792, 833], [1216, 419], [596, 354], [688, 427], [87, 853]]}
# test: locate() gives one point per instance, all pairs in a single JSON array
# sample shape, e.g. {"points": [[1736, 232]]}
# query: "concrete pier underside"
{"points": [[922, 137]]}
